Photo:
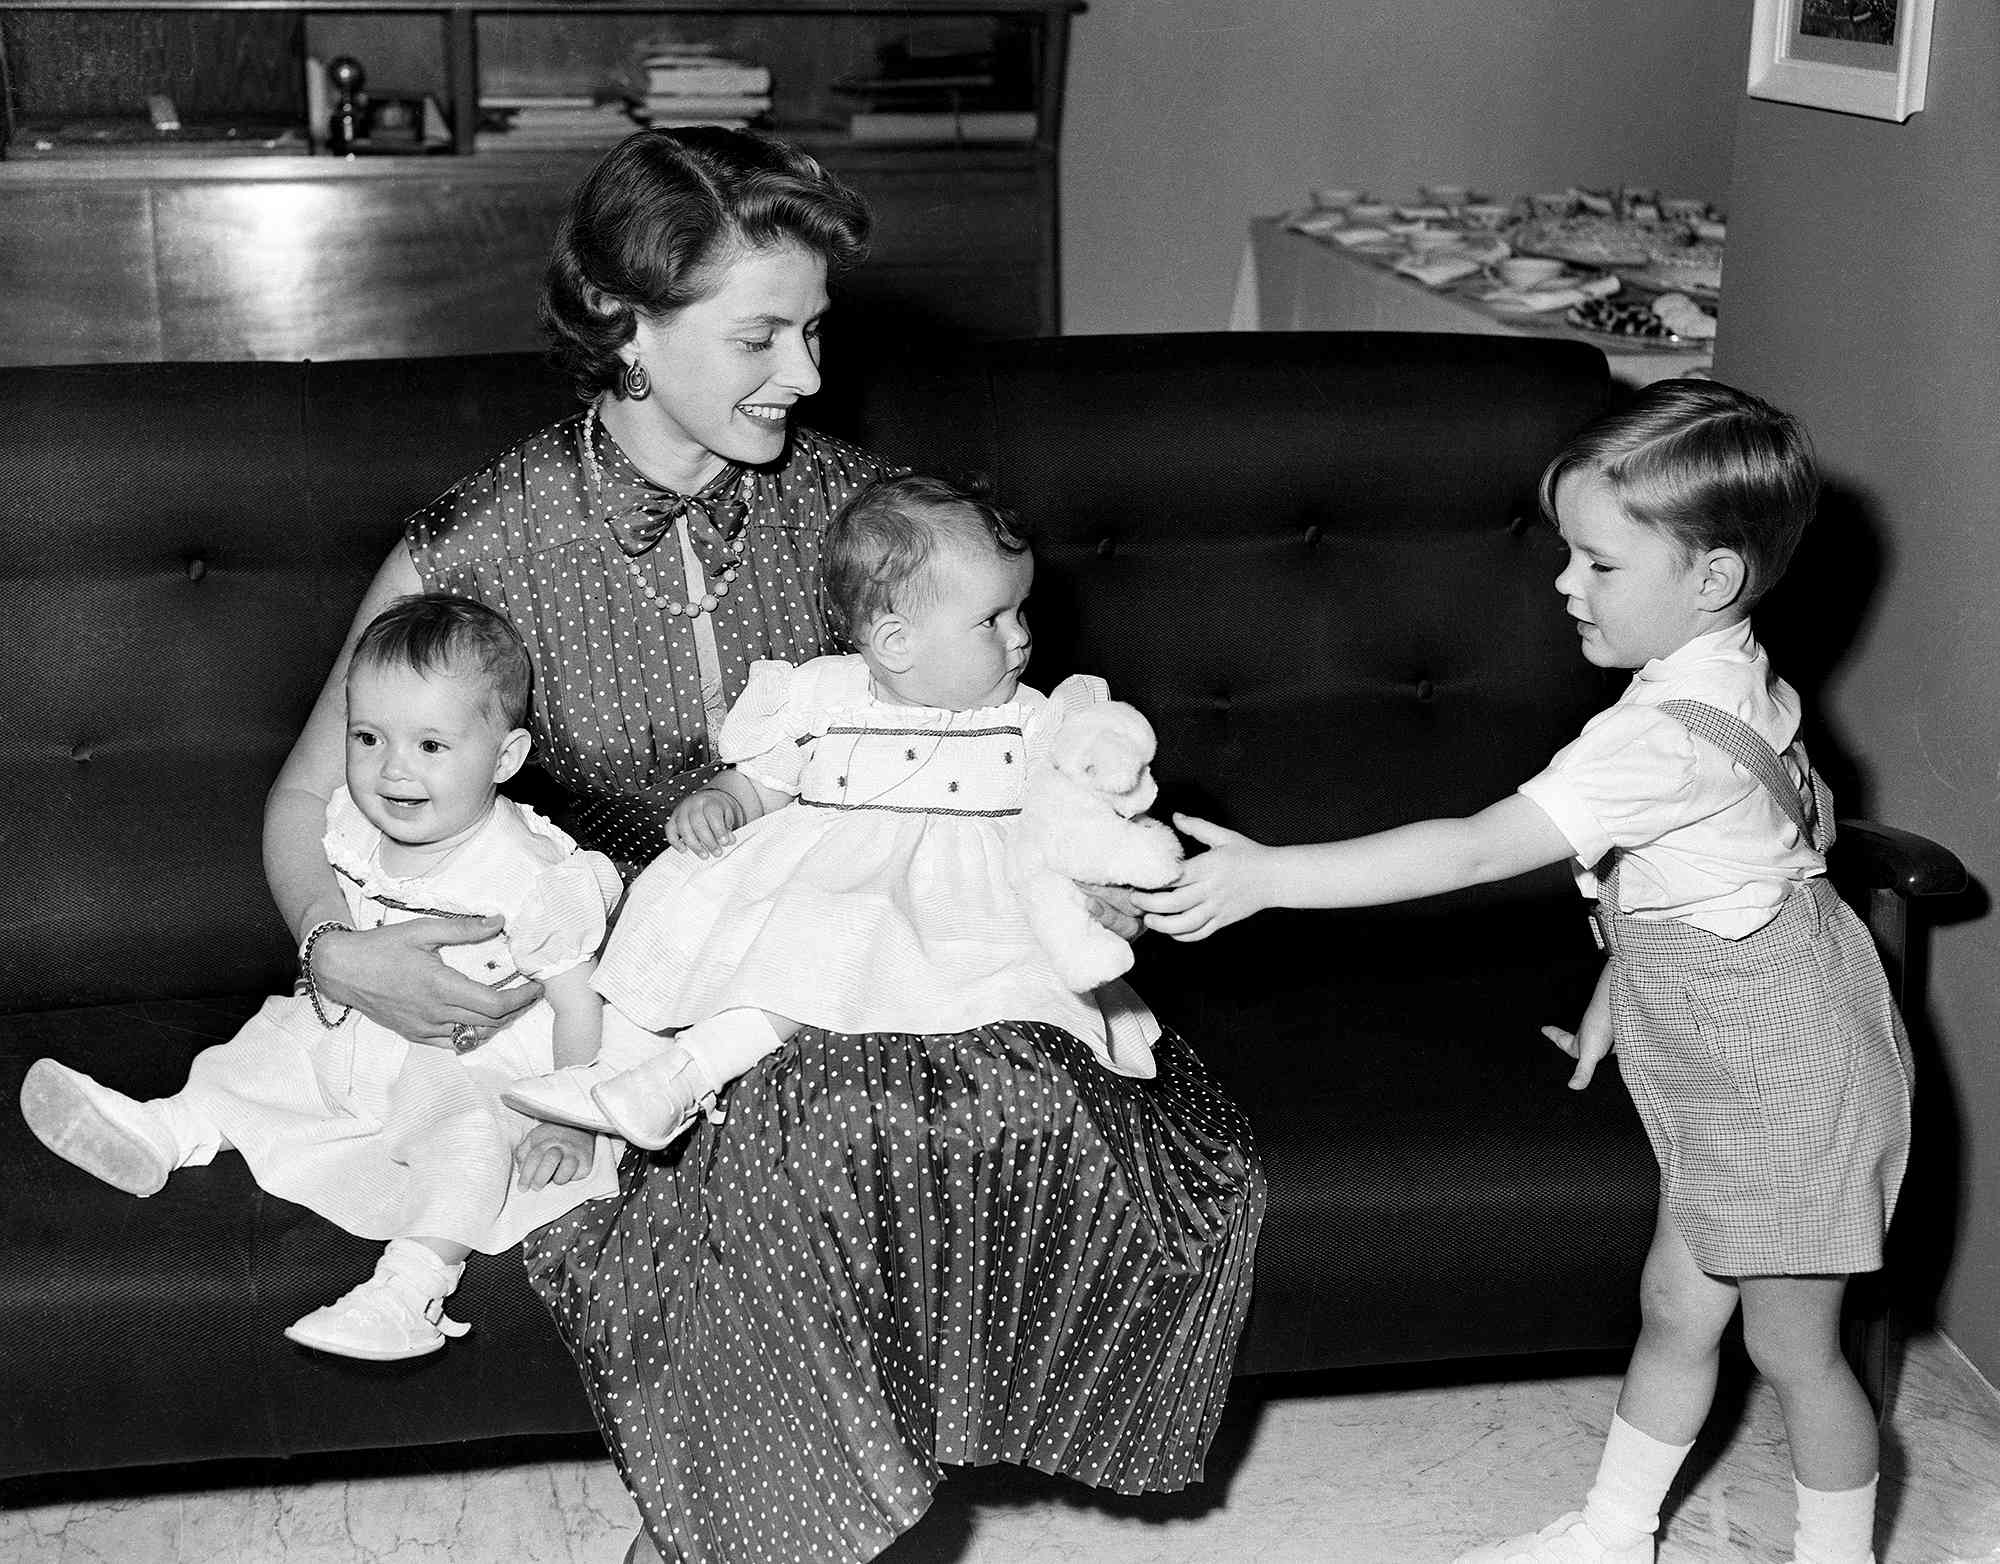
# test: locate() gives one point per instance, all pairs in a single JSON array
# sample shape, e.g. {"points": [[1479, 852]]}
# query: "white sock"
{"points": [[1633, 1476], [1835, 1528], [423, 1267], [729, 1044], [196, 1141]]}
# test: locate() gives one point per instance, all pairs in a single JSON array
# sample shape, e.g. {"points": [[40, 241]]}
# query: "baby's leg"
{"points": [[131, 1145], [1791, 1325]]}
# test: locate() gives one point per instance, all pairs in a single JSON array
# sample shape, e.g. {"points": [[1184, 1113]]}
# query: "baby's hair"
{"points": [[1709, 465], [880, 547], [437, 632]]}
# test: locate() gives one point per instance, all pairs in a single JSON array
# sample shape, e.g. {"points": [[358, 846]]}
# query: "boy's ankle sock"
{"points": [[1633, 1476], [1835, 1527], [729, 1044]]}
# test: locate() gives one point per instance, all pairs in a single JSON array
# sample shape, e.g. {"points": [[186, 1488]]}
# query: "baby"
{"points": [[381, 1137]]}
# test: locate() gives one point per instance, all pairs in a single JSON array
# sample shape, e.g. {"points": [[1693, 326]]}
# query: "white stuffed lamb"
{"points": [[1080, 821]]}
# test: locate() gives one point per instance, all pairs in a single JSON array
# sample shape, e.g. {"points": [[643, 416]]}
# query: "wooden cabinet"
{"points": [[173, 256]]}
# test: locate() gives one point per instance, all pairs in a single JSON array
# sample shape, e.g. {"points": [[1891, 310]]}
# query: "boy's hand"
{"points": [[1590, 1042], [553, 1154], [1216, 888], [705, 822]]}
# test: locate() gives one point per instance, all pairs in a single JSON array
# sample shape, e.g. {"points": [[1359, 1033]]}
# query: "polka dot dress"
{"points": [[619, 720], [896, 1253]]}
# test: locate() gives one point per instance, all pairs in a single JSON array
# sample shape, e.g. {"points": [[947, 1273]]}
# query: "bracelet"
{"points": [[324, 926]]}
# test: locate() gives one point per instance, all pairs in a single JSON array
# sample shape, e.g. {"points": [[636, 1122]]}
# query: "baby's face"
{"points": [[424, 753], [970, 643]]}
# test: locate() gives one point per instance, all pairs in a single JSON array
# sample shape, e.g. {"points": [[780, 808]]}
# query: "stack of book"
{"points": [[690, 87], [552, 121], [940, 87]]}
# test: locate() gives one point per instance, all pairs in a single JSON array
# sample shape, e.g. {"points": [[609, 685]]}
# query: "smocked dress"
{"points": [[1764, 1052], [898, 1251], [880, 899], [382, 1137]]}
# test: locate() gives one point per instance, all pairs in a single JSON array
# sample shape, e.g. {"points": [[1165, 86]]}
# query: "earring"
{"points": [[638, 384]]}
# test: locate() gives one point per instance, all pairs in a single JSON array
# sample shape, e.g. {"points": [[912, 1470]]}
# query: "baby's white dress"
{"points": [[879, 901], [389, 1139]]}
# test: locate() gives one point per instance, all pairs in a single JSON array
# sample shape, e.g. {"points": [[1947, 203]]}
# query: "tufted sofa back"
{"points": [[1312, 559]]}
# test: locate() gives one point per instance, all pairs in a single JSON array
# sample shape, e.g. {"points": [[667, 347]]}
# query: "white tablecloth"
{"points": [[1290, 281]]}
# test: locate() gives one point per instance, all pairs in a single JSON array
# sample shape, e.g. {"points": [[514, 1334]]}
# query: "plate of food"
{"points": [[1631, 324]]}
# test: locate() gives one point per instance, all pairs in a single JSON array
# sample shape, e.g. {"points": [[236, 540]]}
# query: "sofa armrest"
{"points": [[1879, 857]]}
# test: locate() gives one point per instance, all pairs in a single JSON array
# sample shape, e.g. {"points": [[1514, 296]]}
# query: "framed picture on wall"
{"points": [[1858, 56]]}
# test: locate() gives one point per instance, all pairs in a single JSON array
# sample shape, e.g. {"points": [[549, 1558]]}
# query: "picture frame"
{"points": [[1868, 57]]}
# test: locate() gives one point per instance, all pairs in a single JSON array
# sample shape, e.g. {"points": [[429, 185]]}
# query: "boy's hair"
{"points": [[879, 549], [1711, 466], [437, 632]]}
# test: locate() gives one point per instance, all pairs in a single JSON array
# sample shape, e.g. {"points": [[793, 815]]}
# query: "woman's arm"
{"points": [[1237, 876], [392, 974]]}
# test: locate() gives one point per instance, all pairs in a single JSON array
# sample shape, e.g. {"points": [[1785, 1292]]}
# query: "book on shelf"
{"points": [[985, 126], [703, 76], [524, 122], [740, 106]]}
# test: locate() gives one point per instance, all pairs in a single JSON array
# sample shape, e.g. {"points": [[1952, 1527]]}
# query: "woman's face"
{"points": [[728, 369]]}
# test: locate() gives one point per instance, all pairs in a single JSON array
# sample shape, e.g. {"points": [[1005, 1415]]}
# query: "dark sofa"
{"points": [[1313, 560]]}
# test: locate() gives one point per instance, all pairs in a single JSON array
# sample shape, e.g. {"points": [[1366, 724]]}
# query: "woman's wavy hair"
{"points": [[880, 549], [1708, 465], [652, 226]]}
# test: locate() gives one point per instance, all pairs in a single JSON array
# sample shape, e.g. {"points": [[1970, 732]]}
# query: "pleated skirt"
{"points": [[899, 1253], [1773, 1076]]}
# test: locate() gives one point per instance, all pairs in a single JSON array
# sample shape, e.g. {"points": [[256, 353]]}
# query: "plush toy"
{"points": [[1081, 819]]}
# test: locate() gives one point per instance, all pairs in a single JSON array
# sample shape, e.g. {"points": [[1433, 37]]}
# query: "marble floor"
{"points": [[1382, 1468]]}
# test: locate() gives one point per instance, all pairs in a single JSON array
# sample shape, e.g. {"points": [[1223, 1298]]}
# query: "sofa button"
{"points": [[1426, 690], [1106, 547], [79, 753], [197, 567], [1312, 535]]}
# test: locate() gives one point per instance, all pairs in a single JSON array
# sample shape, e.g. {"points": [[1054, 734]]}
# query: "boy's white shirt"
{"points": [[1703, 840]]}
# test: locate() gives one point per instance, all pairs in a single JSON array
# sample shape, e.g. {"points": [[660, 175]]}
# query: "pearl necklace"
{"points": [[717, 587]]}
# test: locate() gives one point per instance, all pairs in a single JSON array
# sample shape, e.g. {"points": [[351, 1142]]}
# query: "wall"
{"points": [[1185, 118], [1864, 293]]}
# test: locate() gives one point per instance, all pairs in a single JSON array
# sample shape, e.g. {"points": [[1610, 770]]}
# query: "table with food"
{"points": [[1637, 273]]}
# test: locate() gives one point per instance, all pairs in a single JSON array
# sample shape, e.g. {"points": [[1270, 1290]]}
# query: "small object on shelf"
{"points": [[686, 73], [161, 111], [343, 126]]}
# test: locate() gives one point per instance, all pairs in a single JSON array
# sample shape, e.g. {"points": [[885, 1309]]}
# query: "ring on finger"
{"points": [[463, 1038]]}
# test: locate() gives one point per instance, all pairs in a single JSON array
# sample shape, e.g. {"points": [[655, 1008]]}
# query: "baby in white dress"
{"points": [[384, 1138], [848, 870]]}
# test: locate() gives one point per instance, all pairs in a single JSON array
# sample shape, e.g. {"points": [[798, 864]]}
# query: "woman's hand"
{"points": [[394, 976], [1216, 888], [553, 1154]]}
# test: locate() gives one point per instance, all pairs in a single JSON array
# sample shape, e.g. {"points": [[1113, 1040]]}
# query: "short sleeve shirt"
{"points": [[1700, 839]]}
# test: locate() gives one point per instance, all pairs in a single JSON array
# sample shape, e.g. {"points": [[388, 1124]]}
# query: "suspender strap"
{"points": [[1752, 751]]}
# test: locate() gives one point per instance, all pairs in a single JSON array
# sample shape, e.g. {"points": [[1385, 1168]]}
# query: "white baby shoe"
{"points": [[1565, 1540], [563, 1097], [655, 1103], [397, 1313], [117, 1138]]}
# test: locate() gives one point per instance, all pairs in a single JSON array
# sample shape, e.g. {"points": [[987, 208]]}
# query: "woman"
{"points": [[897, 1252]]}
